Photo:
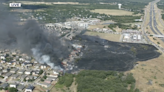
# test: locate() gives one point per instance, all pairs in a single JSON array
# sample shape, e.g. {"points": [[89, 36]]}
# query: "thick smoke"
{"points": [[31, 39]]}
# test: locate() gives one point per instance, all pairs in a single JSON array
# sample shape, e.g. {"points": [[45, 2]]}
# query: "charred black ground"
{"points": [[118, 56]]}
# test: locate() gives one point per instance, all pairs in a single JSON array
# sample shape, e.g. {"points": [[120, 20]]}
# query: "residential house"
{"points": [[7, 75], [14, 76], [56, 73], [53, 75], [29, 88], [27, 61], [35, 62], [21, 59], [46, 85], [14, 85], [13, 53], [36, 72], [48, 81], [2, 57], [5, 70], [14, 70], [52, 78], [23, 77], [35, 77], [1, 73], [37, 66], [28, 72], [27, 64], [29, 77], [2, 61], [20, 87], [21, 71], [1, 68], [11, 63], [43, 66], [4, 85]]}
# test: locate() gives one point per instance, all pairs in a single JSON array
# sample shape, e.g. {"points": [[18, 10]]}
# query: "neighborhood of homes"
{"points": [[23, 72]]}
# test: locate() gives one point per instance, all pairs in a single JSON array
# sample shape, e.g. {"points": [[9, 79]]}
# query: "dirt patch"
{"points": [[110, 37], [96, 26], [73, 87]]}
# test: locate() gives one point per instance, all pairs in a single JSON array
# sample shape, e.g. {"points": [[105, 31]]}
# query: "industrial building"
{"points": [[133, 36]]}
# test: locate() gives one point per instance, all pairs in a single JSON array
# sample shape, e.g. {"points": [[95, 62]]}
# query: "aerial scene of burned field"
{"points": [[81, 45]]}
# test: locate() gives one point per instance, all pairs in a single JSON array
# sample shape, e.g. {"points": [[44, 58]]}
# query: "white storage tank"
{"points": [[134, 37], [139, 37], [126, 36]]}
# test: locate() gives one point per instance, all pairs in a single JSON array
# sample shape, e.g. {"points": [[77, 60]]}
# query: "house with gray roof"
{"points": [[21, 71], [23, 77], [4, 85], [14, 76], [29, 77], [7, 75], [14, 70], [20, 87], [5, 70], [30, 88]]}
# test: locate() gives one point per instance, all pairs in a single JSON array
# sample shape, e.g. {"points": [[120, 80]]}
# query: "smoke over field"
{"points": [[31, 39]]}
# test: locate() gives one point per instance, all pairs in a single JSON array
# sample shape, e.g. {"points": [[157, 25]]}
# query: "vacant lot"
{"points": [[112, 12], [110, 37], [151, 70]]}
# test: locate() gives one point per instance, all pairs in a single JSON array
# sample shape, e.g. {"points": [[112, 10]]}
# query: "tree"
{"points": [[6, 89], [136, 90], [45, 77], [40, 72], [12, 89], [42, 79]]}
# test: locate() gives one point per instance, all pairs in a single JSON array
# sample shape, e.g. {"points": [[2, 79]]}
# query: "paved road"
{"points": [[155, 21], [151, 24]]}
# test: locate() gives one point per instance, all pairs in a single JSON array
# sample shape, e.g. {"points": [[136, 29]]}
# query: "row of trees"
{"points": [[125, 19], [122, 26]]}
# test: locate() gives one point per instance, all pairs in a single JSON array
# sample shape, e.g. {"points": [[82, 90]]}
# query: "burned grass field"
{"points": [[100, 54]]}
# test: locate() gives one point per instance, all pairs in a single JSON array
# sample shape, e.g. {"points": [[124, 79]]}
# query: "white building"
{"points": [[77, 46], [139, 37], [14, 85], [126, 36], [28, 72], [55, 72], [43, 66], [3, 57], [83, 25], [134, 37], [21, 59]]}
